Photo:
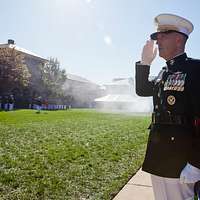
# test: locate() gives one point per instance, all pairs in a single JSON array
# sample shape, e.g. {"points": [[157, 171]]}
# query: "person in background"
{"points": [[6, 102], [173, 149], [0, 103], [11, 102], [38, 102]]}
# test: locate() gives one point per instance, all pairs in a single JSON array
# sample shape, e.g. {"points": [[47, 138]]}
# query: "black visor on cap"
{"points": [[153, 36]]}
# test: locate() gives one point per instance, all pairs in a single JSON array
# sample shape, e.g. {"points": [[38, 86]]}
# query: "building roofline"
{"points": [[78, 78], [25, 51]]}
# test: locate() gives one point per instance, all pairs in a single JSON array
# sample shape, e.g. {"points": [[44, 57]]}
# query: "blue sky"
{"points": [[96, 39]]}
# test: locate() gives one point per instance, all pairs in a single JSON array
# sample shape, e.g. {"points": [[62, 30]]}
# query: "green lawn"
{"points": [[68, 155]]}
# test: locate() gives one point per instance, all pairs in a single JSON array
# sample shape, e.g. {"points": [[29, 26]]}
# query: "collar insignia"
{"points": [[171, 62]]}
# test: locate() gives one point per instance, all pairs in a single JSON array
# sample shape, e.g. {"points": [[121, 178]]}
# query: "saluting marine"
{"points": [[173, 150]]}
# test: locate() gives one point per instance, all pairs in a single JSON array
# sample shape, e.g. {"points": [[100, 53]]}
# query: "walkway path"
{"points": [[138, 188]]}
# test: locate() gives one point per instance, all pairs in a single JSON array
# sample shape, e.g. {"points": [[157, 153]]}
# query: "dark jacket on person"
{"points": [[11, 99], [174, 138]]}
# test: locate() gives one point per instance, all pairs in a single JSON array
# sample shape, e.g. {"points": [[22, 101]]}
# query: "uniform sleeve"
{"points": [[144, 87]]}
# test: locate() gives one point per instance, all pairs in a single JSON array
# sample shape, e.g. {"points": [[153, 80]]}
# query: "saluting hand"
{"points": [[148, 53]]}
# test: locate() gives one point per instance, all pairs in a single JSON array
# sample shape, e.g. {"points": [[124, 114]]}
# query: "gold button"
{"points": [[156, 106]]}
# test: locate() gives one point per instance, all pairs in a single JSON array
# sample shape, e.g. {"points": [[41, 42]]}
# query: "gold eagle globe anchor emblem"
{"points": [[171, 100]]}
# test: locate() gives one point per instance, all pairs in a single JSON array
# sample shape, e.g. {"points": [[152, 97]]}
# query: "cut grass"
{"points": [[68, 155]]}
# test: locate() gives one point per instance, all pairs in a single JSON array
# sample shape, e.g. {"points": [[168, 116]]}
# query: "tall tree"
{"points": [[13, 70], [53, 77]]}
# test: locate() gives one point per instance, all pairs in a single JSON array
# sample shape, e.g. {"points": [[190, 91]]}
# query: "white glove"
{"points": [[148, 53], [190, 174]]}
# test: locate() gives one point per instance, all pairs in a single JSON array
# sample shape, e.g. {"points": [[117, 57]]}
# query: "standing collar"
{"points": [[177, 63]]}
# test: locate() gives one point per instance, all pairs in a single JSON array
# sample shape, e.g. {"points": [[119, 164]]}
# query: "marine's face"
{"points": [[167, 44]]}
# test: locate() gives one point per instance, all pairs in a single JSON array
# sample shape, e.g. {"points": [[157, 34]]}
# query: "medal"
{"points": [[171, 100], [175, 82]]}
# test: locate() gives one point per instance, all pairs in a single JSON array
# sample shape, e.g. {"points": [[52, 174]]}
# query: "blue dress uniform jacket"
{"points": [[174, 137]]}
